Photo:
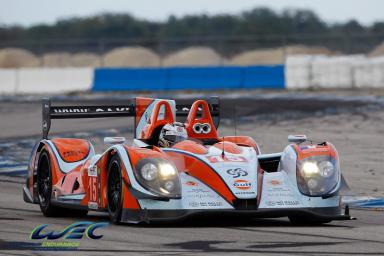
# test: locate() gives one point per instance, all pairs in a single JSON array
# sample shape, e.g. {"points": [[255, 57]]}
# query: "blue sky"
{"points": [[29, 12]]}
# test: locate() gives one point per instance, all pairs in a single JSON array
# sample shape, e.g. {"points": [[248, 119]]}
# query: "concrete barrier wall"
{"points": [[317, 71], [8, 81], [54, 80], [45, 80], [369, 73]]}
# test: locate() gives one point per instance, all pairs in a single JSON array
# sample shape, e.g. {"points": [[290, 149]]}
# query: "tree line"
{"points": [[259, 22]]}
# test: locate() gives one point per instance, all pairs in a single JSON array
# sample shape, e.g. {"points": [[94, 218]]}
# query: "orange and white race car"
{"points": [[178, 166]]}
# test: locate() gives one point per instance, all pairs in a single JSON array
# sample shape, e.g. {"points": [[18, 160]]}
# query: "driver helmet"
{"points": [[171, 134]]}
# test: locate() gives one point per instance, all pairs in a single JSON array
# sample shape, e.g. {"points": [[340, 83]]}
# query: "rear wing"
{"points": [[50, 111], [82, 111]]}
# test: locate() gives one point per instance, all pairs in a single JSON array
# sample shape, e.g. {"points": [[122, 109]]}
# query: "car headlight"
{"points": [[149, 171], [158, 176], [318, 175], [167, 170]]}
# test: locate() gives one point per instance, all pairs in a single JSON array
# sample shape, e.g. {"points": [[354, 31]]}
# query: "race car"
{"points": [[178, 166]]}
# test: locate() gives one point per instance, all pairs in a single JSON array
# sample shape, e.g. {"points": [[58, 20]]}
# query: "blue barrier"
{"points": [[228, 77], [271, 77], [121, 79], [204, 78]]}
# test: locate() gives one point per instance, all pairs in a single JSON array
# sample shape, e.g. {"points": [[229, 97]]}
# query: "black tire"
{"points": [[44, 188], [115, 190], [307, 221]]}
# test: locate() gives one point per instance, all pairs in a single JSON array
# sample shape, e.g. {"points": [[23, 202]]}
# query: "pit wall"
{"points": [[299, 72]]}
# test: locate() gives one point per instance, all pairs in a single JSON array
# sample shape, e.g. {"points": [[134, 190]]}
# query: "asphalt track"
{"points": [[213, 236]]}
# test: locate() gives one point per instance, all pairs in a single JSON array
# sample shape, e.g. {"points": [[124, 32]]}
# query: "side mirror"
{"points": [[297, 138]]}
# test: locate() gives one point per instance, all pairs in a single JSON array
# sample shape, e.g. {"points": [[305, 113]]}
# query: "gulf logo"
{"points": [[242, 184]]}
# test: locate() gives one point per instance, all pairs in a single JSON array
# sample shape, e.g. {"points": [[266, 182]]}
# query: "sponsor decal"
{"points": [[92, 171], [278, 196], [199, 193], [242, 184], [89, 110], [73, 153], [237, 172], [194, 204], [283, 203], [93, 205], [275, 182], [244, 193], [191, 183], [227, 158], [112, 109], [71, 110], [74, 232], [205, 204]]}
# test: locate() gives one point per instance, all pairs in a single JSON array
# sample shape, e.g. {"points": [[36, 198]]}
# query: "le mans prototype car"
{"points": [[178, 166]]}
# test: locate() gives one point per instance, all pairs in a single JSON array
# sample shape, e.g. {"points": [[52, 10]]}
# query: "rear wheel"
{"points": [[307, 221], [44, 188], [115, 190]]}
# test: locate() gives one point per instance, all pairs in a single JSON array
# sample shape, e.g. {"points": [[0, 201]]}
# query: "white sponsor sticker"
{"points": [[277, 193], [93, 206], [92, 171]]}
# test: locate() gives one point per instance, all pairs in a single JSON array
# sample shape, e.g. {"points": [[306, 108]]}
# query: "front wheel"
{"points": [[115, 190]]}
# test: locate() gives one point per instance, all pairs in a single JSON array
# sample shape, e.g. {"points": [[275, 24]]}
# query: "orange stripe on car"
{"points": [[244, 141], [191, 146], [201, 171], [229, 147], [315, 150]]}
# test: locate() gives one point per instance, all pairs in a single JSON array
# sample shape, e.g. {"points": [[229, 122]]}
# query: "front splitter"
{"points": [[148, 216]]}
